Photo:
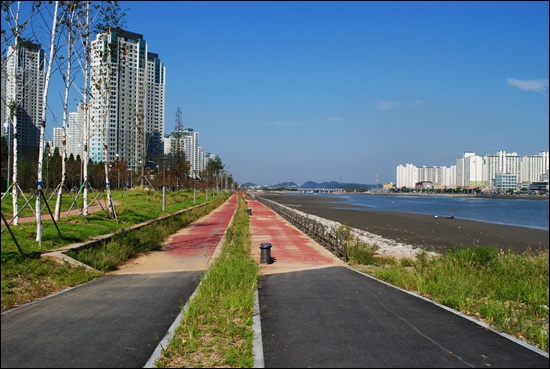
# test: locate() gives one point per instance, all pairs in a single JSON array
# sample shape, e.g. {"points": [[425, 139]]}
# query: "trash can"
{"points": [[249, 211], [265, 256]]}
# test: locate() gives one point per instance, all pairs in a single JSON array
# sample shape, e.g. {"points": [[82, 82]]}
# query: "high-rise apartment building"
{"points": [[469, 170], [75, 134], [500, 163], [189, 146], [499, 172], [23, 88], [534, 168], [441, 177], [127, 100], [407, 176], [57, 139]]}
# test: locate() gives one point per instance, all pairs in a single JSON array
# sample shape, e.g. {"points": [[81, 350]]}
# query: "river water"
{"points": [[518, 212]]}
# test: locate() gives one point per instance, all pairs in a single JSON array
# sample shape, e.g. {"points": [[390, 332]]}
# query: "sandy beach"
{"points": [[421, 231]]}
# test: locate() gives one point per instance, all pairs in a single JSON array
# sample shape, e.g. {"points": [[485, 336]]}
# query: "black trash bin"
{"points": [[265, 255], [249, 211]]}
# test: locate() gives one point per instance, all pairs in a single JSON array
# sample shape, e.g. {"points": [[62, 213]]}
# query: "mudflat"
{"points": [[425, 231]]}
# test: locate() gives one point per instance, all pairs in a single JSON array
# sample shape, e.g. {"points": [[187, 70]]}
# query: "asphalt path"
{"points": [[338, 318], [116, 321], [112, 322], [316, 312]]}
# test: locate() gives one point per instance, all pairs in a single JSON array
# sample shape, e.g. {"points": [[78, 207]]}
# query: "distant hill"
{"points": [[285, 185], [332, 184], [311, 184]]}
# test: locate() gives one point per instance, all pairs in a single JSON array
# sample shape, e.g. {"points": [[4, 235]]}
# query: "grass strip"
{"points": [[216, 330]]}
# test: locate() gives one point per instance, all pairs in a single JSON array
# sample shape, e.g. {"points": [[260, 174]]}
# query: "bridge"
{"points": [[321, 190]]}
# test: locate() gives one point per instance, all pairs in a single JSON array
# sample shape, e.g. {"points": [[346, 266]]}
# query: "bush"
{"points": [[362, 253]]}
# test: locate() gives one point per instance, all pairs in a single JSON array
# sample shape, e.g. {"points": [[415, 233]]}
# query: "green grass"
{"points": [[506, 290], [216, 330], [29, 277]]}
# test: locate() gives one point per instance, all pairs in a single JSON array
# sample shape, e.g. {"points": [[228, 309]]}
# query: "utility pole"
{"points": [[163, 184], [194, 187], [8, 135]]}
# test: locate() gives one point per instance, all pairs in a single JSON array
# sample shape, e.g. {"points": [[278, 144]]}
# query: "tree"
{"points": [[53, 51], [214, 167], [12, 41], [79, 19], [182, 167], [73, 29]]}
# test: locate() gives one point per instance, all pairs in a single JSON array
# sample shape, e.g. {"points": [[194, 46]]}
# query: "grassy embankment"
{"points": [[28, 277], [507, 291]]}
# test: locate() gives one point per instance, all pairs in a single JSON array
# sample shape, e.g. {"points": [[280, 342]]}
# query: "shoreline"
{"points": [[418, 230]]}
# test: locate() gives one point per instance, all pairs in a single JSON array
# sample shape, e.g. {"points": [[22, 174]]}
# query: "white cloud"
{"points": [[535, 85], [387, 105]]}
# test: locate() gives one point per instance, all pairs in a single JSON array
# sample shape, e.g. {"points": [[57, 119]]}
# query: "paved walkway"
{"points": [[118, 320], [318, 313]]}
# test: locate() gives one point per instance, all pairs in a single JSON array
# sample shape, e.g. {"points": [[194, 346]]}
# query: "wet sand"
{"points": [[425, 231]]}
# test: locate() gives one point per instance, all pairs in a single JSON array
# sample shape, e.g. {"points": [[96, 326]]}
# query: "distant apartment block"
{"points": [[22, 88], [495, 172], [128, 100], [186, 141], [469, 170], [534, 168], [57, 139], [499, 164], [75, 134]]}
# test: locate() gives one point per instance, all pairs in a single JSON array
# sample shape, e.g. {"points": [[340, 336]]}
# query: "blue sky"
{"points": [[347, 91]]}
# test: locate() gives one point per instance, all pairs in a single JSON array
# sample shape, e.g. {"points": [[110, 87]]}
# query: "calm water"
{"points": [[517, 212]]}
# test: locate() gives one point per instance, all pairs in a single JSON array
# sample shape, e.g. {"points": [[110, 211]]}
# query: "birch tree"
{"points": [[97, 18], [183, 167], [71, 24], [51, 56], [12, 40], [104, 72]]}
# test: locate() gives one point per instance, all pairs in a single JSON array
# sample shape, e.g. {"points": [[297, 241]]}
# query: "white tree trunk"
{"points": [[14, 184], [12, 74], [43, 126], [86, 111], [65, 115]]}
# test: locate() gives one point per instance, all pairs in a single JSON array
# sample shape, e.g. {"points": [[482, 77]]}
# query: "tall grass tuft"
{"points": [[362, 253]]}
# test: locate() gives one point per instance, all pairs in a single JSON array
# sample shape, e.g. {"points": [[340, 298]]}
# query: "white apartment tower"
{"points": [[127, 100], [191, 149], [188, 145], [534, 168], [75, 134], [500, 163], [407, 176], [23, 87], [469, 170], [57, 138]]}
